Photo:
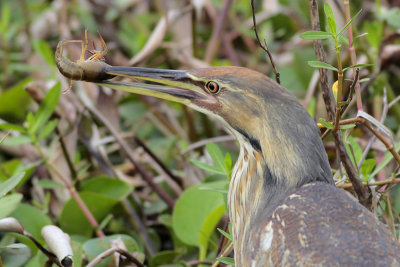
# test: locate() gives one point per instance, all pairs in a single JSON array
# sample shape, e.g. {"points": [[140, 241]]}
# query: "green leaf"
{"points": [[207, 167], [322, 65], [11, 183], [330, 18], [386, 159], [350, 21], [375, 34], [364, 80], [16, 245], [49, 184], [48, 129], [32, 219], [95, 246], [315, 35], [208, 228], [216, 155], [227, 260], [228, 165], [229, 236], [356, 149], [357, 66], [5, 18], [221, 187], [164, 258], [72, 219], [8, 204], [366, 169], [18, 140], [4, 138], [45, 51], [348, 126], [343, 39], [12, 127], [107, 186], [191, 212], [46, 108], [14, 102], [326, 124], [358, 37]]}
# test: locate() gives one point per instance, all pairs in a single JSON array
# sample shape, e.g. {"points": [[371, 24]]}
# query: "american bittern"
{"points": [[284, 207]]}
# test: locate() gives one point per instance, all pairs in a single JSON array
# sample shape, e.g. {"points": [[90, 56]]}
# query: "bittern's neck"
{"points": [[280, 155]]}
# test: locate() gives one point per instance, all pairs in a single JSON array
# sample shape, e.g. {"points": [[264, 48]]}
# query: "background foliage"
{"points": [[60, 145]]}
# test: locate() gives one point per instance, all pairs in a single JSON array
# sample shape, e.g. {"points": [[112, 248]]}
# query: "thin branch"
{"points": [[265, 46], [352, 52], [216, 37], [111, 251], [226, 251], [380, 183], [363, 194], [131, 157], [175, 178], [48, 254]]}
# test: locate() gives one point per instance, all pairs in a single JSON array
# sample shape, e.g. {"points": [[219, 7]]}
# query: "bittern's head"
{"points": [[264, 116]]}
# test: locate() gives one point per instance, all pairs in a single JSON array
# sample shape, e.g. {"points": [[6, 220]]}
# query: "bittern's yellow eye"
{"points": [[213, 87]]}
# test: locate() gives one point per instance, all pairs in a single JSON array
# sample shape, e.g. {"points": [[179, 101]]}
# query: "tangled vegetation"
{"points": [[140, 181]]}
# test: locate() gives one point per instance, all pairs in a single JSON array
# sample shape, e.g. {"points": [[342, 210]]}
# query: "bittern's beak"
{"points": [[174, 85]]}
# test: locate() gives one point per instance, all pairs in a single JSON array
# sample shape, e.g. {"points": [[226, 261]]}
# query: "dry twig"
{"points": [[265, 46]]}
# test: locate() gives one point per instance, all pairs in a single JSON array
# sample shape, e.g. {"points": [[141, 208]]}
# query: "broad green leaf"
{"points": [[227, 260], [12, 182], [350, 21], [392, 16], [46, 108], [207, 167], [320, 64], [48, 129], [8, 204], [326, 124], [192, 210], [14, 102], [208, 228], [107, 186], [375, 33], [72, 219], [358, 66], [315, 35], [32, 219], [95, 246], [18, 257], [216, 155], [164, 258], [18, 140]]}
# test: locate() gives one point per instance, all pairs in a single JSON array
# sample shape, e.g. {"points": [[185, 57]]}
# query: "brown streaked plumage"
{"points": [[283, 205]]}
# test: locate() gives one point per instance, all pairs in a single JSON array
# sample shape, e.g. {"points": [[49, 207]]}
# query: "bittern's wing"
{"points": [[302, 232]]}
